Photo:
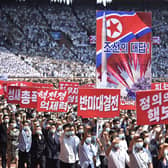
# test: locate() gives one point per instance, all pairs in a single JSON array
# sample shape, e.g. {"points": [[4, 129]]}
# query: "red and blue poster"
{"points": [[123, 53]]}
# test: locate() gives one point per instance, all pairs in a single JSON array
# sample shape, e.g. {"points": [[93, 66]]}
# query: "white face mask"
{"points": [[88, 140], [139, 145], [147, 140]]}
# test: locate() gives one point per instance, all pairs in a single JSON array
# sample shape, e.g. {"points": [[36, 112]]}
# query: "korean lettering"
{"points": [[83, 103], [34, 96], [153, 114], [145, 103], [164, 112], [25, 97], [114, 103], [165, 97], [44, 105], [99, 102], [157, 99]]}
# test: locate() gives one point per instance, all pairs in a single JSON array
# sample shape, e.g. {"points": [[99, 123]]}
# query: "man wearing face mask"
{"points": [[59, 128], [117, 157], [4, 139], [53, 148], [38, 149], [123, 143], [138, 155], [104, 139], [68, 148], [80, 133], [87, 155], [77, 141], [25, 141], [13, 141], [163, 156]]}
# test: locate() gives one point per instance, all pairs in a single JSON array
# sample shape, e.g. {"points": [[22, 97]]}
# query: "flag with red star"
{"points": [[126, 45]]}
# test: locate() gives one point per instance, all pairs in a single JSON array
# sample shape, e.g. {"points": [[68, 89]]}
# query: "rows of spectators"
{"points": [[65, 140], [26, 31]]}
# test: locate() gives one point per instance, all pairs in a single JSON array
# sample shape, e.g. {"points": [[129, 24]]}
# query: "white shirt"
{"points": [[118, 158], [67, 153], [86, 153], [123, 145], [77, 141]]}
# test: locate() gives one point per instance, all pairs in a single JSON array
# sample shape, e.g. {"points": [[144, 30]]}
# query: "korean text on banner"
{"points": [[104, 103], [13, 94], [28, 97], [159, 86], [73, 89], [49, 100], [1, 88], [152, 107]]}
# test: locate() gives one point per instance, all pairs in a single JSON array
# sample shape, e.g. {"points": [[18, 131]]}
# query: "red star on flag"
{"points": [[113, 27]]}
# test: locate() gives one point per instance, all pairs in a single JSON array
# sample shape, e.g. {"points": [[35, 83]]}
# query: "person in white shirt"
{"points": [[68, 149], [77, 141], [117, 157], [87, 154]]}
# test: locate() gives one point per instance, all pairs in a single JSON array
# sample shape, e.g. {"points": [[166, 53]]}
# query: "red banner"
{"points": [[43, 85], [102, 103], [73, 89], [1, 88], [152, 107], [13, 94], [89, 85], [49, 100], [127, 104], [159, 86], [28, 97]]}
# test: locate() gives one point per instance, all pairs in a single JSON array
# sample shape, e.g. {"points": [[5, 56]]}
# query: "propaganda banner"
{"points": [[49, 100], [159, 86], [123, 53], [1, 88], [89, 85], [43, 85], [14, 83], [103, 103], [13, 94], [73, 89], [28, 97], [152, 107]]}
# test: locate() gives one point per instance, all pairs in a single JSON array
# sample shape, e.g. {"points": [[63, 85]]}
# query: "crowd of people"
{"points": [[26, 32], [64, 140]]}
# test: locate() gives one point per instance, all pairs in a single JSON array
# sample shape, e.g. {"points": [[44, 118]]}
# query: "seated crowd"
{"points": [[26, 31]]}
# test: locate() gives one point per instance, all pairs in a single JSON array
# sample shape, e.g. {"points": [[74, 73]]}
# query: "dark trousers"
{"points": [[103, 162], [24, 157], [67, 165], [41, 161], [3, 148], [77, 164], [52, 163]]}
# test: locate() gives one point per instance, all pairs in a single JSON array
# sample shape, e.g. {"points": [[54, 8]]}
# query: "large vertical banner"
{"points": [[123, 53]]}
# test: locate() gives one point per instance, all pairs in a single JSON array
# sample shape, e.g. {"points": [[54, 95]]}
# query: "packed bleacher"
{"points": [[26, 31]]}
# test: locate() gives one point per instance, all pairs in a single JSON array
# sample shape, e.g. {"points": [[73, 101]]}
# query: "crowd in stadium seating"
{"points": [[26, 31]]}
